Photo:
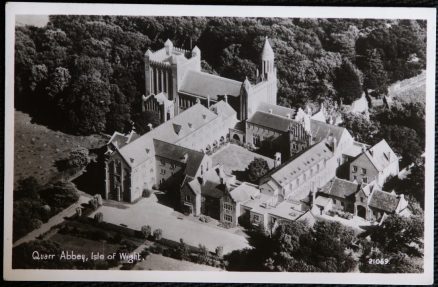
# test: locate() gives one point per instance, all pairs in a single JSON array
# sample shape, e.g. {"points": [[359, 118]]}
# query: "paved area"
{"points": [[236, 158], [160, 262], [148, 211], [55, 220]]}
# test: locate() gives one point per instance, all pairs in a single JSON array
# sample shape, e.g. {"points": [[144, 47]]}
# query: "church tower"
{"points": [[269, 72]]}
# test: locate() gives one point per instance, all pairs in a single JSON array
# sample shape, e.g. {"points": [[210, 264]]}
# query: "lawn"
{"points": [[160, 262], [82, 245], [37, 148], [409, 90], [236, 159]]}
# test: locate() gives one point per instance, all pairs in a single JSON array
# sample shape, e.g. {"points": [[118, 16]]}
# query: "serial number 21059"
{"points": [[382, 261]]}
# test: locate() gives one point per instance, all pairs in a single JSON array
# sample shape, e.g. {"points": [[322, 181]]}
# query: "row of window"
{"points": [[364, 179]]}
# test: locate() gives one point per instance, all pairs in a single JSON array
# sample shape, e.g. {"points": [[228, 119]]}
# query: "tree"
{"points": [[158, 234], [182, 251], [397, 233], [59, 81], [375, 76], [143, 119], [348, 82], [146, 231], [60, 195], [28, 188], [361, 128], [78, 158], [257, 168], [98, 217]]}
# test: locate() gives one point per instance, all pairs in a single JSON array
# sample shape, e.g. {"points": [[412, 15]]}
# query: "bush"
{"points": [[93, 203], [147, 193], [146, 231], [158, 234], [157, 249], [98, 217], [219, 251]]}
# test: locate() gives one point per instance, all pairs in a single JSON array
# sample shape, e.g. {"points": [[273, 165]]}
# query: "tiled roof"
{"points": [[384, 201], [321, 130], [277, 110], [142, 148], [222, 108], [203, 84], [178, 153], [244, 192], [271, 121], [301, 163], [381, 155], [340, 188]]}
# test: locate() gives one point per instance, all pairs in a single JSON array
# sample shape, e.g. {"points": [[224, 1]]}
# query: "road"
{"points": [[149, 212], [55, 220]]}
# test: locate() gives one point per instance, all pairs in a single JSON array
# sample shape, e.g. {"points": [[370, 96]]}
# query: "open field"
{"points": [[409, 90], [37, 148]]}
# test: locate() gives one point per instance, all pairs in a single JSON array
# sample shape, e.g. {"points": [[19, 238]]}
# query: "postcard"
{"points": [[190, 143]]}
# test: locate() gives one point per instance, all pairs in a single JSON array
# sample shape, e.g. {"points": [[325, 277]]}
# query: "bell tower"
{"points": [[269, 73]]}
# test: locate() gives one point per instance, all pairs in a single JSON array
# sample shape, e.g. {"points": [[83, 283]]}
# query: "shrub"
{"points": [[98, 217], [147, 193], [146, 231], [158, 234], [93, 203], [219, 251]]}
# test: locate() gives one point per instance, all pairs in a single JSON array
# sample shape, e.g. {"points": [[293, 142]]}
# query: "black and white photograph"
{"points": [[266, 146]]}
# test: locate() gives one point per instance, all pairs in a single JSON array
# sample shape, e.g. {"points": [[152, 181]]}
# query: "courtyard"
{"points": [[174, 225], [235, 159]]}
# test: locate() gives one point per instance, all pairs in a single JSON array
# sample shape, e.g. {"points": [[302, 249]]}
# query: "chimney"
{"points": [[150, 126], [185, 157], [334, 144], [208, 101], [226, 98]]}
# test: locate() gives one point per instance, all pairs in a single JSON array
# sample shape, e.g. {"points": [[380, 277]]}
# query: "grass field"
{"points": [[83, 245], [409, 90], [37, 148]]}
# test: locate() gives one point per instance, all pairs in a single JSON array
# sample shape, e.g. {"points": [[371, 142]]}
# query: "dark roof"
{"points": [[177, 153], [204, 84], [384, 201], [271, 121], [340, 188], [321, 130]]}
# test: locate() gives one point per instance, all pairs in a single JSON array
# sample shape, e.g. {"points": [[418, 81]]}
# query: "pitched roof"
{"points": [[340, 188], [244, 192], [384, 201], [203, 84], [271, 121], [222, 108], [277, 110], [118, 140], [179, 153], [294, 167], [139, 150], [381, 155], [211, 185], [321, 130]]}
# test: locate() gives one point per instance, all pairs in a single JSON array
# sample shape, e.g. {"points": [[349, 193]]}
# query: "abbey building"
{"points": [[212, 128]]}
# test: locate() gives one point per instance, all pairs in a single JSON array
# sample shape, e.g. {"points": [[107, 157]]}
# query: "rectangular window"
{"points": [[256, 218], [364, 171], [228, 218], [365, 179], [361, 199], [334, 201], [354, 168], [187, 198], [172, 166], [256, 140], [163, 171], [342, 203], [228, 207], [163, 162], [273, 219], [354, 177]]}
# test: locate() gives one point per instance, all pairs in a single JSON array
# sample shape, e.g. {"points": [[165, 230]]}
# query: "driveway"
{"points": [[148, 211]]}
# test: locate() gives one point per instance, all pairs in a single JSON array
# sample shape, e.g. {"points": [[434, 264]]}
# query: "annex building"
{"points": [[212, 128]]}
